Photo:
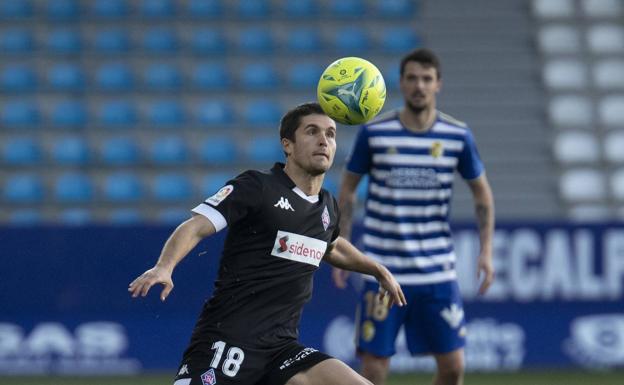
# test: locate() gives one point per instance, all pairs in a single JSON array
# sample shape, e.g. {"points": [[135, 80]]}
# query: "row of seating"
{"points": [[78, 216], [157, 77], [599, 38], [576, 74], [579, 111], [210, 41], [575, 147], [562, 9], [163, 9], [592, 184]]}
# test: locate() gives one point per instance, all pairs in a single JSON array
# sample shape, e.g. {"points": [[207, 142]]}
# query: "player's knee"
{"points": [[452, 373]]}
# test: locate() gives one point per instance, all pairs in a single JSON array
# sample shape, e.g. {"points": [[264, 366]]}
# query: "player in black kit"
{"points": [[282, 225]]}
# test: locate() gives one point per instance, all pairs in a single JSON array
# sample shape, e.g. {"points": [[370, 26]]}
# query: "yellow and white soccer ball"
{"points": [[351, 90]]}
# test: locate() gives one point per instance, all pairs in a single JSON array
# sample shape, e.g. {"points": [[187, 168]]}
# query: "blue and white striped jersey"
{"points": [[409, 193]]}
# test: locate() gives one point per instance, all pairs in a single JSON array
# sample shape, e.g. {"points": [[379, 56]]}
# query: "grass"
{"points": [[520, 378]]}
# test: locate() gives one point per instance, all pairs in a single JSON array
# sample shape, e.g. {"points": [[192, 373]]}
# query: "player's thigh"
{"points": [[331, 371]]}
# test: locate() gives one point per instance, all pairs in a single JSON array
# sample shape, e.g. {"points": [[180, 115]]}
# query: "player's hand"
{"points": [[388, 286], [145, 281], [340, 276], [485, 269]]}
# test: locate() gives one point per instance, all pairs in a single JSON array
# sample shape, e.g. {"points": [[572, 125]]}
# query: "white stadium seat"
{"points": [[583, 185], [557, 39], [571, 111], [606, 39], [611, 111], [577, 147], [602, 8], [589, 212], [565, 74], [617, 185], [609, 74], [614, 147], [553, 8]]}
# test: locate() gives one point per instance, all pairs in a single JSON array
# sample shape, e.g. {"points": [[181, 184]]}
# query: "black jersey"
{"points": [[277, 238]]}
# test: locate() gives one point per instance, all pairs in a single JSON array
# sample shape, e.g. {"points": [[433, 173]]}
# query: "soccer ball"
{"points": [[351, 90]]}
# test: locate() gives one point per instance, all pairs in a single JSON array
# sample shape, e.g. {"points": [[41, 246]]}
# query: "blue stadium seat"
{"points": [[63, 41], [159, 40], [304, 40], [263, 112], [62, 9], [70, 150], [391, 76], [123, 187], [394, 8], [205, 8], [69, 114], [212, 182], [258, 76], [112, 41], [66, 77], [253, 8], [211, 76], [21, 151], [169, 150], [346, 8], [73, 187], [351, 39], [165, 113], [114, 77], [19, 114], [331, 183], [125, 216], [23, 188], [162, 77], [75, 217], [157, 8], [109, 8], [16, 9], [18, 78], [300, 8], [25, 217], [265, 150], [362, 189], [119, 151], [16, 41], [215, 113], [117, 114], [304, 76], [173, 215], [399, 40], [171, 187], [255, 40], [218, 150], [207, 41]]}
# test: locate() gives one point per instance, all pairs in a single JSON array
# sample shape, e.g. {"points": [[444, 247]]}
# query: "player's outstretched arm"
{"points": [[344, 255], [484, 211], [180, 243]]}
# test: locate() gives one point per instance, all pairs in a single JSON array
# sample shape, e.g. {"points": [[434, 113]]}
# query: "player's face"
{"points": [[419, 86], [315, 144]]}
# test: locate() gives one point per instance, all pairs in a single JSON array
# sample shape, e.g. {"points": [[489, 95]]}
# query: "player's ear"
{"points": [[287, 146]]}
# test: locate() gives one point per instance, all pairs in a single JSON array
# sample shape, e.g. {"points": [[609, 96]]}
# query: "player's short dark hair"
{"points": [[292, 119], [425, 57]]}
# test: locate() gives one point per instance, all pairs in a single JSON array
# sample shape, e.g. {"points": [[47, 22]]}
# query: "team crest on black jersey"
{"points": [[325, 218], [209, 377]]}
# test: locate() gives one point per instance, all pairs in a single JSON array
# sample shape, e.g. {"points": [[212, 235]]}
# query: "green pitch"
{"points": [[521, 378]]}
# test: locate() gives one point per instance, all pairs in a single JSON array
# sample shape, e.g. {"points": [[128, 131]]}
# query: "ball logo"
{"points": [[597, 341]]}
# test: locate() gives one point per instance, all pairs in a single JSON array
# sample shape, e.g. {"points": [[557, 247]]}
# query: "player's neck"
{"points": [[308, 183], [418, 121]]}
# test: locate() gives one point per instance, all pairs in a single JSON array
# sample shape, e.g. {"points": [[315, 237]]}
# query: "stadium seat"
{"points": [[392, 76], [68, 114], [263, 112], [559, 39], [173, 215], [62, 9], [117, 114], [589, 212], [253, 8], [331, 183], [16, 40], [119, 151], [609, 74], [114, 77], [576, 147], [66, 77], [258, 76], [171, 187], [305, 75], [73, 187], [19, 114], [611, 111], [399, 40], [18, 78], [362, 189], [300, 8], [606, 39], [617, 185], [70, 150], [25, 217], [109, 8], [125, 216], [159, 40], [218, 150], [585, 184], [20, 151], [571, 111], [162, 77], [205, 8], [304, 40], [211, 76], [169, 150], [214, 113], [208, 41], [264, 150], [75, 217], [16, 9], [553, 8], [212, 182], [565, 74], [111, 41], [614, 147], [157, 8], [63, 41], [602, 8], [255, 40], [23, 188], [394, 8], [351, 39], [123, 187], [165, 113], [345, 8]]}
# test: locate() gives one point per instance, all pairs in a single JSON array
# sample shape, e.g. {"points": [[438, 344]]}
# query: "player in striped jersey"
{"points": [[410, 156]]}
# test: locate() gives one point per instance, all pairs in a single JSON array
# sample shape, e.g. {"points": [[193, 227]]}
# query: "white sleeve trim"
{"points": [[217, 219]]}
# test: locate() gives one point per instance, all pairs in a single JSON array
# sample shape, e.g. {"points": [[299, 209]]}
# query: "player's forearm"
{"points": [[484, 212], [346, 202], [182, 241], [348, 257]]}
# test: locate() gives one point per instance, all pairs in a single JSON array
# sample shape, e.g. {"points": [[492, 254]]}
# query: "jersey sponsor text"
{"points": [[299, 248]]}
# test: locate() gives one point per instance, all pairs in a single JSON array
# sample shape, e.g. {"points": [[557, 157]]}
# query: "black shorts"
{"points": [[228, 364]]}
